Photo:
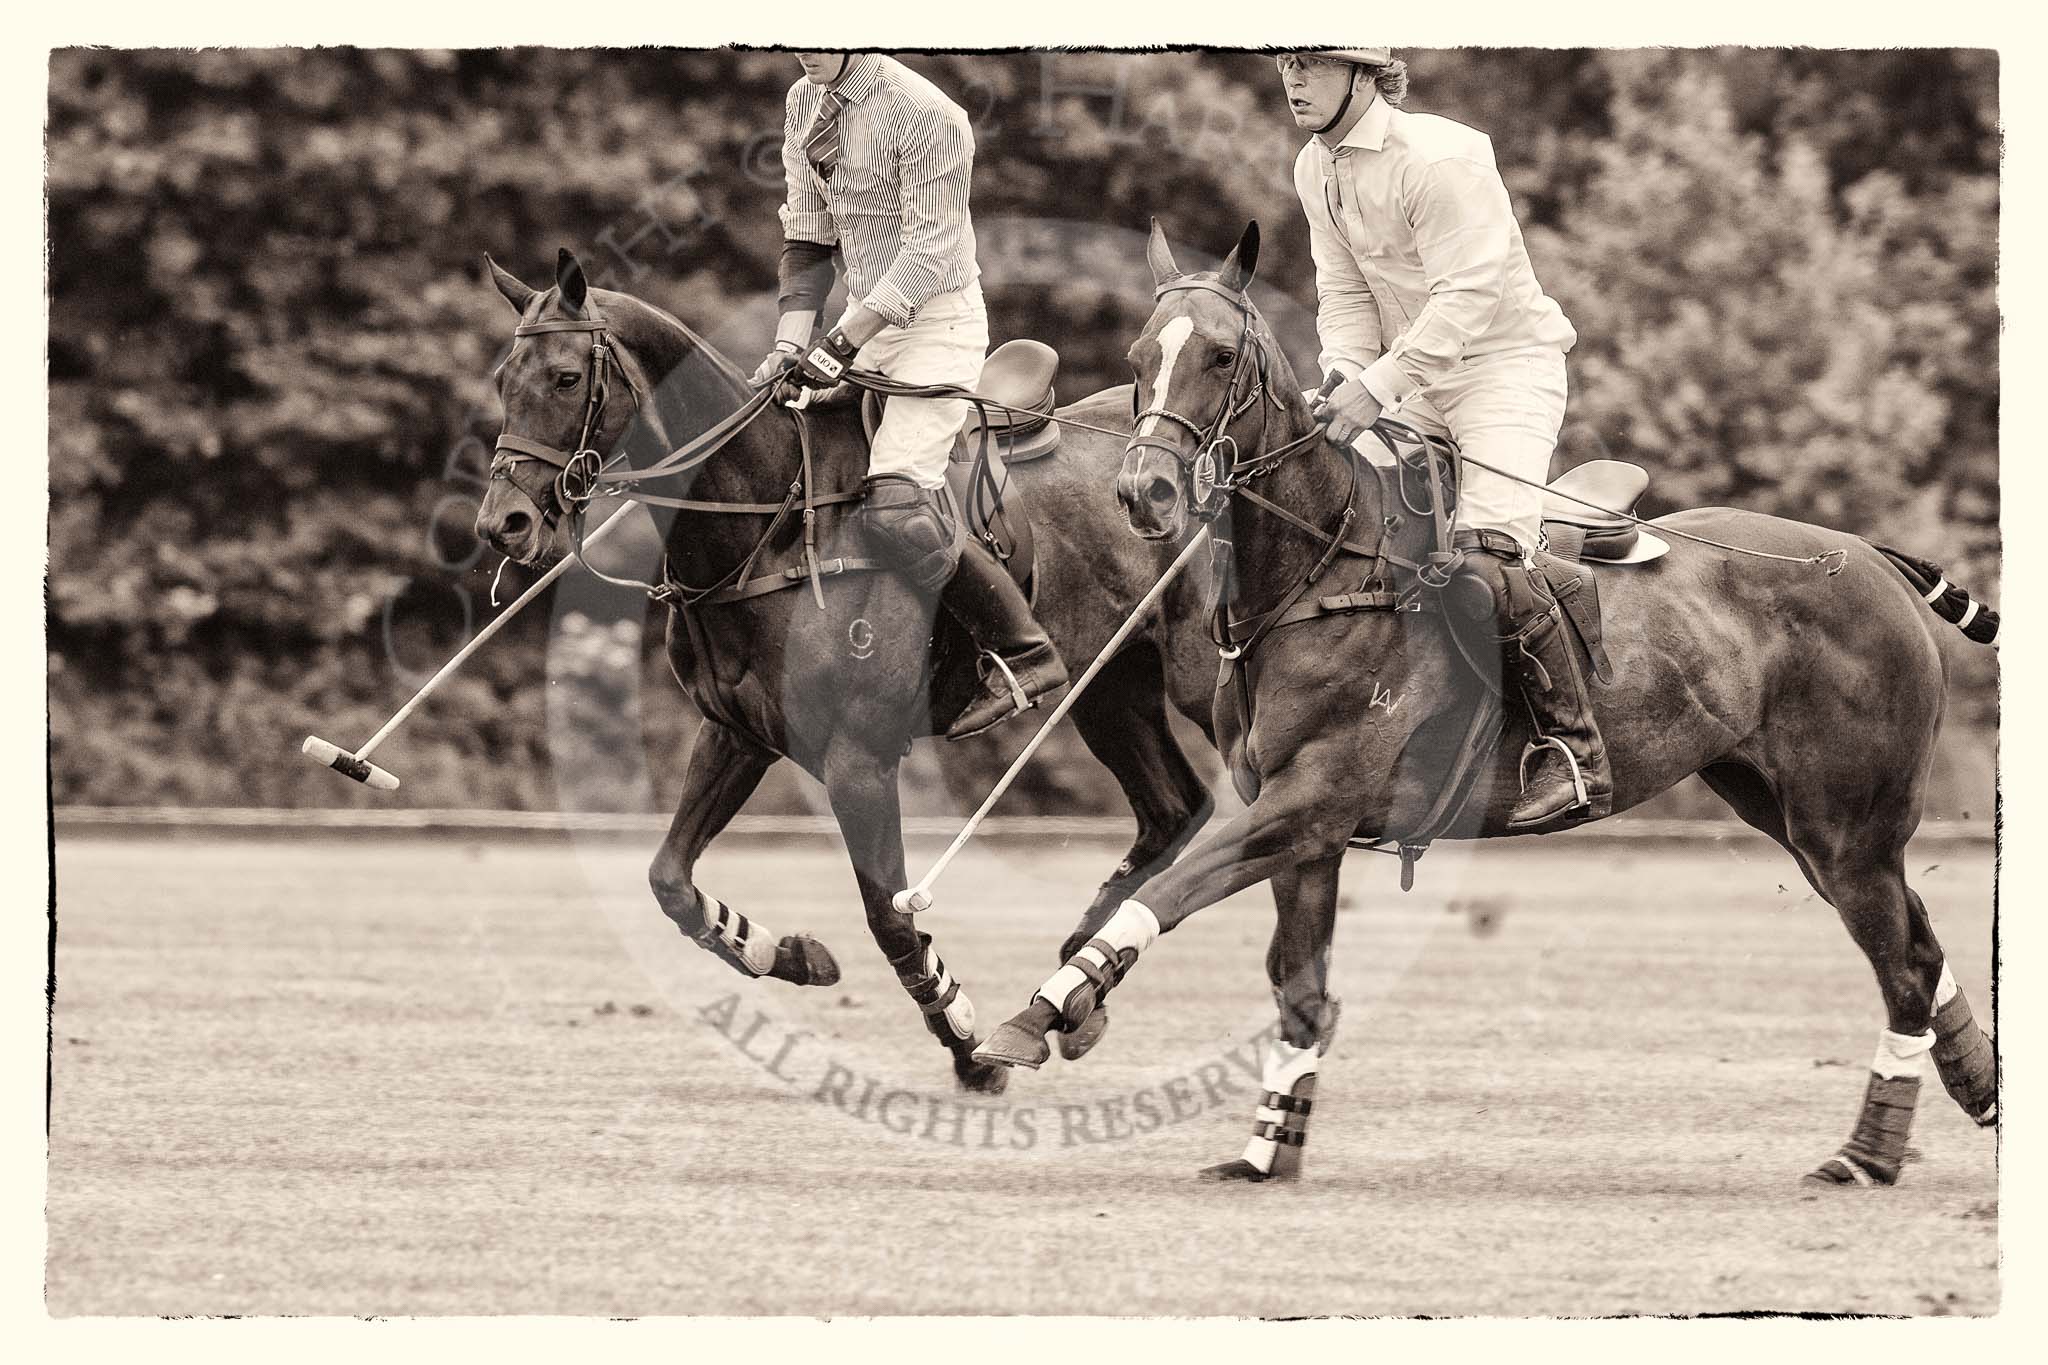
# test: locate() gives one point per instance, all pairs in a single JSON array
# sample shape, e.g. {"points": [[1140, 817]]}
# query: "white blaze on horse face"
{"points": [[1172, 337]]}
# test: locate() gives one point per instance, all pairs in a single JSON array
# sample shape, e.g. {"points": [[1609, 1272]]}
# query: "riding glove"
{"points": [[827, 362], [779, 361]]}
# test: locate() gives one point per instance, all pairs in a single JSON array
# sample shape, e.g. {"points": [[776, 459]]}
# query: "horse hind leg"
{"points": [[723, 772], [1880, 912], [1888, 922], [1298, 965], [1963, 1054], [1122, 719]]}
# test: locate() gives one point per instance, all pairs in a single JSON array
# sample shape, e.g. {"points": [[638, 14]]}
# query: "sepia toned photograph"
{"points": [[1200, 682]]}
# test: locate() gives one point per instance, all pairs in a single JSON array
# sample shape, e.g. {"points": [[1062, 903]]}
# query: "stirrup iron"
{"points": [[1017, 694], [1537, 746]]}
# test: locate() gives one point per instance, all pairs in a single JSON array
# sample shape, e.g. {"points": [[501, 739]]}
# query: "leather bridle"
{"points": [[1213, 471], [1209, 471], [577, 470]]}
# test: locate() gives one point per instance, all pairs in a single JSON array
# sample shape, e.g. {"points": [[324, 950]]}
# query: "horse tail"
{"points": [[1953, 605]]}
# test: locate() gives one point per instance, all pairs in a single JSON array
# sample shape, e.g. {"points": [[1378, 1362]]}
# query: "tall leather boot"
{"points": [[985, 600], [1565, 775]]}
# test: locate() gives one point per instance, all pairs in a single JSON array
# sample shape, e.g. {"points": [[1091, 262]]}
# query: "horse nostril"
{"points": [[1162, 493], [515, 526]]}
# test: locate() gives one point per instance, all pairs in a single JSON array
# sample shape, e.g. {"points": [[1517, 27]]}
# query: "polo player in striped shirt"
{"points": [[878, 163]]}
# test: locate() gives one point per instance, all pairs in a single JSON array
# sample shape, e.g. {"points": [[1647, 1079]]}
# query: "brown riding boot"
{"points": [[1565, 777], [1018, 662]]}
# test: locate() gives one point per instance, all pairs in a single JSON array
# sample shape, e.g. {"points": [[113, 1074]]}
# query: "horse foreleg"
{"points": [[1298, 818], [1298, 965], [861, 786], [724, 770], [1122, 719]]}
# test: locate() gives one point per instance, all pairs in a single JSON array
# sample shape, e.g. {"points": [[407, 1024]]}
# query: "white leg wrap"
{"points": [[1132, 928], [747, 941], [1901, 1056], [1284, 1071], [959, 1014], [1945, 989]]}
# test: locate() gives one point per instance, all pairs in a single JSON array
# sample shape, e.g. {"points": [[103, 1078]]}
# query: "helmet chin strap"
{"points": [[846, 60], [1350, 90]]}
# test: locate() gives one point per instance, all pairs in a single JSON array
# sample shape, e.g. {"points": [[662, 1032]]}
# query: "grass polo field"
{"points": [[385, 1075]]}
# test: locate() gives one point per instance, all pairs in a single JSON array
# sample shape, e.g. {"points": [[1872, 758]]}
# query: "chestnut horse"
{"points": [[1798, 675], [839, 679]]}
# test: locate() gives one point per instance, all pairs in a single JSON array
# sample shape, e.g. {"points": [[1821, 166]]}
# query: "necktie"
{"points": [[821, 144]]}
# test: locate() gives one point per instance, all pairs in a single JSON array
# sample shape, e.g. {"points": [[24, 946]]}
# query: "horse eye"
{"points": [[1225, 359], [568, 379]]}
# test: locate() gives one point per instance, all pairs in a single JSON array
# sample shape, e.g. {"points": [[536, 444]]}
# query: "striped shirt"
{"points": [[1420, 264], [896, 205]]}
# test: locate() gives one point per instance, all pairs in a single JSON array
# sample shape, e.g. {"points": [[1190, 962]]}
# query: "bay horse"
{"points": [[837, 678], [1753, 672]]}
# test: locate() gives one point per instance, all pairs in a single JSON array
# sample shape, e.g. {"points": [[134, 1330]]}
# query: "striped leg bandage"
{"points": [[736, 940], [1280, 1123], [931, 986], [1078, 986]]}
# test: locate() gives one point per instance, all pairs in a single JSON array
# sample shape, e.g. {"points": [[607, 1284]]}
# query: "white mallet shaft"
{"points": [[919, 897], [317, 748]]}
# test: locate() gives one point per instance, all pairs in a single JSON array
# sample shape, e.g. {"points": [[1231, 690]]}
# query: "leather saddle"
{"points": [[1572, 530], [1576, 532], [1018, 374]]}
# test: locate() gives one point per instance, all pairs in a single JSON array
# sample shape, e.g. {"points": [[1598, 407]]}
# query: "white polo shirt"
{"points": [[1420, 264]]}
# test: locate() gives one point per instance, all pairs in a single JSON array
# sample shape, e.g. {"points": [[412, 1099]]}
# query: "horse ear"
{"points": [[569, 279], [1159, 255], [1243, 261], [516, 292]]}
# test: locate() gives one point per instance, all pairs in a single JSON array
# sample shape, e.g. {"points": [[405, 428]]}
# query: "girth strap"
{"points": [[1341, 604]]}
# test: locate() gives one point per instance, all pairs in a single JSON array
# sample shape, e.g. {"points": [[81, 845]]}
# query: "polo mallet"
{"points": [[357, 764], [919, 897]]}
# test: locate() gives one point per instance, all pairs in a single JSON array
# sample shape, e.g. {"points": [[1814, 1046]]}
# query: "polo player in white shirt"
{"points": [[878, 162], [1429, 310]]}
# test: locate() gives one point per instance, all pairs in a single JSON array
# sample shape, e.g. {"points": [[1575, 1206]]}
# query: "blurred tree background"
{"points": [[271, 340]]}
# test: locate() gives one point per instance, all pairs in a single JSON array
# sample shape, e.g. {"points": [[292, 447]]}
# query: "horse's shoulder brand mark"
{"points": [[861, 636], [1384, 696]]}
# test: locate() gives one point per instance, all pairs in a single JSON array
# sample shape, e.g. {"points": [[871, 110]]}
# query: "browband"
{"points": [[1180, 282]]}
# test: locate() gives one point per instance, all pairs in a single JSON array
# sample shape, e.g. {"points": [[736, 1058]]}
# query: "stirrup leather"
{"points": [[1537, 746]]}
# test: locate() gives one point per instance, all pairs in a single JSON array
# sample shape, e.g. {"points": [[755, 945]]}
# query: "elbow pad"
{"points": [[805, 276]]}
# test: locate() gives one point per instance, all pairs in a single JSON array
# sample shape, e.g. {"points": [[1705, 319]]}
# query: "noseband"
{"points": [[578, 469]]}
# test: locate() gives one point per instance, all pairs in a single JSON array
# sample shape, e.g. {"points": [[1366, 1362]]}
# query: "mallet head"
{"points": [[912, 901], [342, 761]]}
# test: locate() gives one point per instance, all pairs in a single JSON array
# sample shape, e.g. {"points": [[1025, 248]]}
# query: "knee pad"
{"points": [[912, 529]]}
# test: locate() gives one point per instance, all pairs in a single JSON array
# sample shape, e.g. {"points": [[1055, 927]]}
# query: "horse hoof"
{"points": [[1011, 1045], [1839, 1172], [1987, 1119], [979, 1078], [1076, 1045], [1238, 1170], [803, 961]]}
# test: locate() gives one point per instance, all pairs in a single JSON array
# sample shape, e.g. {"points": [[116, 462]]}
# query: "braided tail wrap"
{"points": [[1951, 603]]}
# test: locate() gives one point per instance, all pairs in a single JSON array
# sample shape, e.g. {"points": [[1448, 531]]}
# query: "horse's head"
{"points": [[568, 396], [1200, 364]]}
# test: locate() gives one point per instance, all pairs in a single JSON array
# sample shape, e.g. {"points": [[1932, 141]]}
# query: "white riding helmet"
{"points": [[1363, 56]]}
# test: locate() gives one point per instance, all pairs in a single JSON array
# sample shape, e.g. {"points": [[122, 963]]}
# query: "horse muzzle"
{"points": [[512, 531], [1151, 498]]}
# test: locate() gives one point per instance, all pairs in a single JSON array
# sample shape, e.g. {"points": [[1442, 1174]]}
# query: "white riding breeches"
{"points": [[946, 343], [1506, 409]]}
